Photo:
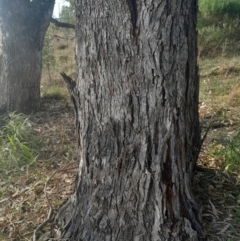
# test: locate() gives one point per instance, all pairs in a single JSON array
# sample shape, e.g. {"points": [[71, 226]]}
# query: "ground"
{"points": [[27, 195], [23, 204], [217, 179]]}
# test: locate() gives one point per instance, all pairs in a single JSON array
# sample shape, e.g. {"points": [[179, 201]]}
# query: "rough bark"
{"points": [[23, 25], [137, 119]]}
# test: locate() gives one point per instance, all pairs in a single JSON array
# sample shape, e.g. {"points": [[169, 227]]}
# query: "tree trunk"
{"points": [[137, 119], [23, 25]]}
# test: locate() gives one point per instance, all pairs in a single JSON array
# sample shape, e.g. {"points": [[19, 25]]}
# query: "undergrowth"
{"points": [[18, 144], [218, 32], [231, 152], [54, 91], [227, 153]]}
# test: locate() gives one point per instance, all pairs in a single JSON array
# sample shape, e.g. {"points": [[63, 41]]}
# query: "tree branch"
{"points": [[62, 25], [41, 9]]}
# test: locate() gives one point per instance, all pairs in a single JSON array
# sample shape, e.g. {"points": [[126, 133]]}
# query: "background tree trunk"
{"points": [[137, 110], [23, 26]]}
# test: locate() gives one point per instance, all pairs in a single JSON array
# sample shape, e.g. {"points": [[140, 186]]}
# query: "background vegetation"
{"points": [[218, 27]]}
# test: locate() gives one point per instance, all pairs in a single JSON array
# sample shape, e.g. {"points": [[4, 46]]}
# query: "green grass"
{"points": [[18, 144], [231, 152], [54, 91], [237, 215], [227, 153]]}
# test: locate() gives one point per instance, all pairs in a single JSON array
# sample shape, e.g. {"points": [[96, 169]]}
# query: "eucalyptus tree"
{"points": [[23, 24], [136, 101]]}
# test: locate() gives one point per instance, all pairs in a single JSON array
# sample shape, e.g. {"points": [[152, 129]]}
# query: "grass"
{"points": [[234, 95], [230, 152], [18, 144], [54, 91], [220, 94], [218, 77], [219, 81]]}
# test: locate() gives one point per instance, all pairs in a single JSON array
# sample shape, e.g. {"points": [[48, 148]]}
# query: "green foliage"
{"points": [[220, 8], [218, 25], [55, 91], [67, 14], [71, 3], [228, 152], [48, 55], [17, 143], [237, 217]]}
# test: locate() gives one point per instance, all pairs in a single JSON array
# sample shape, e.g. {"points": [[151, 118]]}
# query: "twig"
{"points": [[61, 24], [205, 134], [50, 213], [68, 169], [4, 200]]}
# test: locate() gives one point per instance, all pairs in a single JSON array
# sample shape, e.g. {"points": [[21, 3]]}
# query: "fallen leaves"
{"points": [[217, 193]]}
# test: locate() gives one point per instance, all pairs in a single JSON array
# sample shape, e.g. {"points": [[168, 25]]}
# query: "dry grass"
{"points": [[234, 96], [218, 81]]}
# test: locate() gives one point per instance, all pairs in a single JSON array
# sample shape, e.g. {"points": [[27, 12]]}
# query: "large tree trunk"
{"points": [[137, 109], [23, 25]]}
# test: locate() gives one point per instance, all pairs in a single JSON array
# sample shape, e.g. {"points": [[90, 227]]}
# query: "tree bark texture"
{"points": [[23, 25], [137, 119]]}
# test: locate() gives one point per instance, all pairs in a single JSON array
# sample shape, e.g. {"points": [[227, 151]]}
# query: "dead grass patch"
{"points": [[234, 96]]}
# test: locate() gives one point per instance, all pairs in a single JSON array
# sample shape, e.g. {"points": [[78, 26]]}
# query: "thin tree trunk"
{"points": [[137, 121], [23, 26]]}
